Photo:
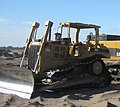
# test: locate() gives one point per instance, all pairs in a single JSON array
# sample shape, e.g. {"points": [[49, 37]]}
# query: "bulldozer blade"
{"points": [[16, 80]]}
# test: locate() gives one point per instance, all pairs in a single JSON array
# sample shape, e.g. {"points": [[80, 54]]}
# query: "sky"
{"points": [[16, 16]]}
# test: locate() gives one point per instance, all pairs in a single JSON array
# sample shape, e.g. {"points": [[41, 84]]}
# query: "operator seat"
{"points": [[57, 36]]}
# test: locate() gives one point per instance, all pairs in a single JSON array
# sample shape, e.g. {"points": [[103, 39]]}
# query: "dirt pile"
{"points": [[8, 54]]}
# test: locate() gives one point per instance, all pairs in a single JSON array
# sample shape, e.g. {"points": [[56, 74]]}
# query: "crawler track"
{"points": [[77, 75], [115, 72]]}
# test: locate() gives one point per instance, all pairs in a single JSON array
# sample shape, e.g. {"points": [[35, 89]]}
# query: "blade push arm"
{"points": [[29, 40], [48, 25]]}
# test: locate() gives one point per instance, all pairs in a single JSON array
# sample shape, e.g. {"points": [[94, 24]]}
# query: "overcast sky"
{"points": [[16, 16]]}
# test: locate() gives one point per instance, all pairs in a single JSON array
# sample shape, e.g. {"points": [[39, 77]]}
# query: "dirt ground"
{"points": [[86, 97]]}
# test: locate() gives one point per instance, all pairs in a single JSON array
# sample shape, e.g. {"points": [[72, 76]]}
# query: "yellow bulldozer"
{"points": [[58, 63]]}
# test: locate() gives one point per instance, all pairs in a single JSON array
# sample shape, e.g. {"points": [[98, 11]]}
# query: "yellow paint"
{"points": [[111, 44]]}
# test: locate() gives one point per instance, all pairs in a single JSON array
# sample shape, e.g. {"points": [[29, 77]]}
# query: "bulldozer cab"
{"points": [[75, 45], [78, 27]]}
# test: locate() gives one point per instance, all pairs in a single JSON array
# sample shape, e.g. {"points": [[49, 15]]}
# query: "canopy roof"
{"points": [[78, 25]]}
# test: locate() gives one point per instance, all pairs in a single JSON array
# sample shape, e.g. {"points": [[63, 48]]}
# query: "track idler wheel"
{"points": [[97, 67], [99, 70]]}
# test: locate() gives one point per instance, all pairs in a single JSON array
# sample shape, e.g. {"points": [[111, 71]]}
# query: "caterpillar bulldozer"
{"points": [[58, 63]]}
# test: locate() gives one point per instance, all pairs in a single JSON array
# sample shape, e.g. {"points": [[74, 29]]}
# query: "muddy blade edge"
{"points": [[15, 80]]}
